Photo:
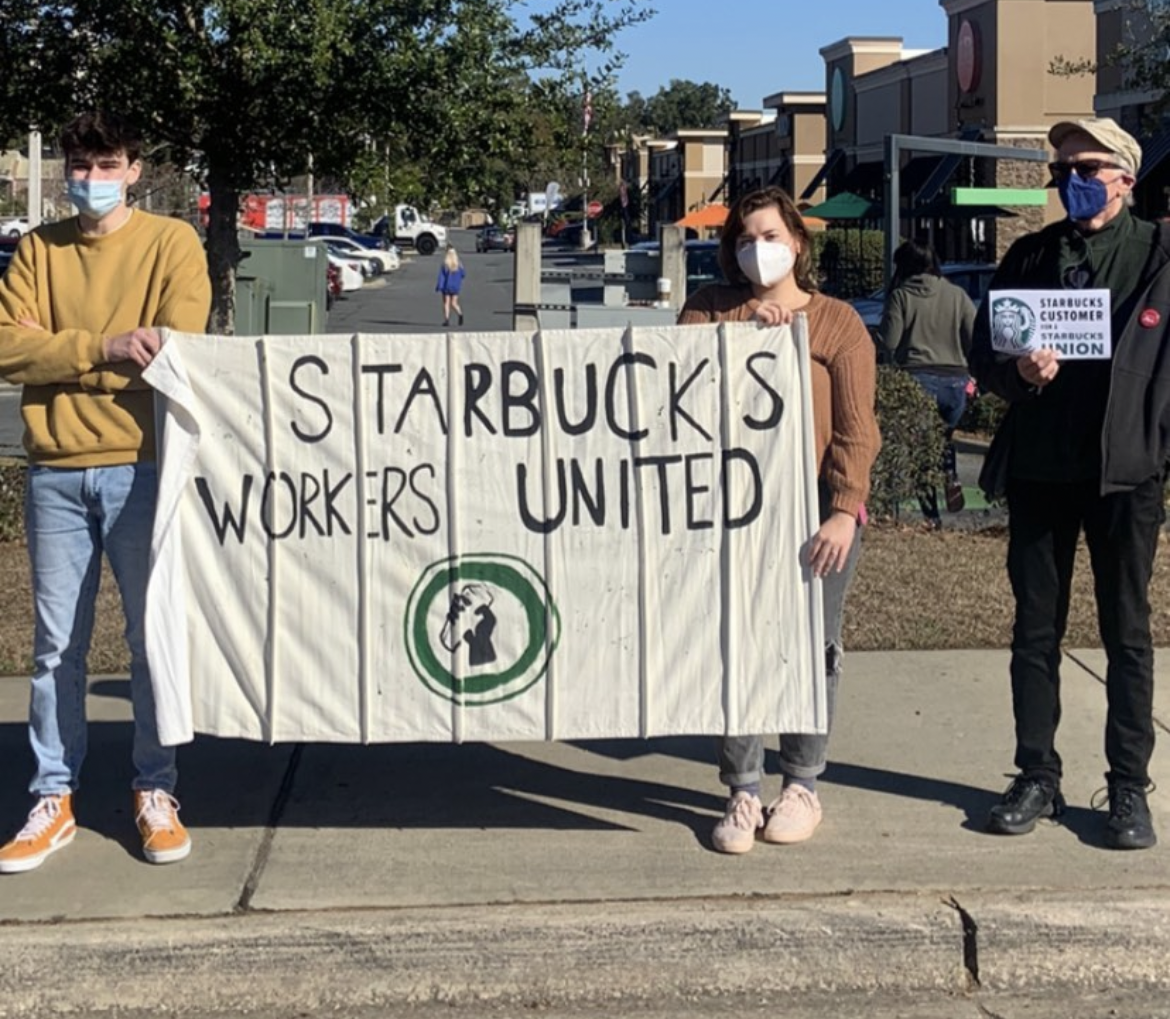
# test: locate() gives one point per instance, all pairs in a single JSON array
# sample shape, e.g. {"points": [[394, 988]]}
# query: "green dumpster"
{"points": [[292, 298]]}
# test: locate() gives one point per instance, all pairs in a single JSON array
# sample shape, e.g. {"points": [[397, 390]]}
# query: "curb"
{"points": [[609, 957]]}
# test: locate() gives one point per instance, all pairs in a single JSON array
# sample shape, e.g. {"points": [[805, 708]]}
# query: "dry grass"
{"points": [[108, 650], [915, 589]]}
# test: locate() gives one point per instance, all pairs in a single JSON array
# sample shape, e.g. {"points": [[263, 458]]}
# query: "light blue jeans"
{"points": [[802, 755], [72, 516]]}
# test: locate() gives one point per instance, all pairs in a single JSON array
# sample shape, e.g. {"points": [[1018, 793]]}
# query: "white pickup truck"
{"points": [[407, 226]]}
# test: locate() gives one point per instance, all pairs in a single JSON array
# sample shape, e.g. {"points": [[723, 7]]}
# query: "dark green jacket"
{"points": [[1133, 441], [927, 324]]}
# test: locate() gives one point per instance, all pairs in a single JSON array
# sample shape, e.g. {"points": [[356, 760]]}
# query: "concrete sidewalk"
{"points": [[580, 874]]}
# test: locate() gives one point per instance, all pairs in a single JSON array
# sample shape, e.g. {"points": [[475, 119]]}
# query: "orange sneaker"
{"points": [[164, 839], [50, 826]]}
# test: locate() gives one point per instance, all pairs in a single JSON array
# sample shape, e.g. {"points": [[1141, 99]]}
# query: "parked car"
{"points": [[319, 229], [974, 277], [361, 259], [495, 238], [332, 285], [387, 260], [13, 226], [351, 275], [565, 230], [702, 262]]}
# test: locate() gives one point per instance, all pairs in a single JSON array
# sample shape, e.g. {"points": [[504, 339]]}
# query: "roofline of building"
{"points": [[861, 44]]}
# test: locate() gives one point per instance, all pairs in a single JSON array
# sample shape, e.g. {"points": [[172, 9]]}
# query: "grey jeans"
{"points": [[802, 755]]}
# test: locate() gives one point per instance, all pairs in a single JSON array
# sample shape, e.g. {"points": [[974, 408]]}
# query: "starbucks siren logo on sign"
{"points": [[1013, 324]]}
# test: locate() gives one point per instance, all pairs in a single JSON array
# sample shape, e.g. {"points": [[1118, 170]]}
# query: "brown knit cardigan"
{"points": [[843, 377]]}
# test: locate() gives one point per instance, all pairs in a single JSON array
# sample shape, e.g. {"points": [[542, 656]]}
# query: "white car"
{"points": [[13, 226], [388, 260], [366, 265], [351, 275]]}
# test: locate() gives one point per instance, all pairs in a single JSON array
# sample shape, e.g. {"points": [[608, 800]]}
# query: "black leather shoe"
{"points": [[1130, 825], [1026, 801]]}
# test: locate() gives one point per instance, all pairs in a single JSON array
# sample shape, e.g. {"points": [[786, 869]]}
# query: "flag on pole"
{"points": [[587, 111]]}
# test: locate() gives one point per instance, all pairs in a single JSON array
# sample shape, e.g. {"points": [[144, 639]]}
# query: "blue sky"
{"points": [[757, 47]]}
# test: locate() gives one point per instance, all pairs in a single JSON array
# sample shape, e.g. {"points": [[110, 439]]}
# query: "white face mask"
{"points": [[765, 262]]}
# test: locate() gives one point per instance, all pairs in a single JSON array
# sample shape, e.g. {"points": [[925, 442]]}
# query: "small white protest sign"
{"points": [[1075, 323]]}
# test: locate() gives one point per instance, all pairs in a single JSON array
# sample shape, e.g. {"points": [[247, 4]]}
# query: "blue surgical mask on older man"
{"points": [[1083, 198]]}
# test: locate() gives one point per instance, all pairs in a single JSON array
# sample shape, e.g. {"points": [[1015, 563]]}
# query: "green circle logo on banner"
{"points": [[480, 629]]}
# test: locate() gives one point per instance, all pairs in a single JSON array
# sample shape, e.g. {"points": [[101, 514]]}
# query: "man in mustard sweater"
{"points": [[80, 308]]}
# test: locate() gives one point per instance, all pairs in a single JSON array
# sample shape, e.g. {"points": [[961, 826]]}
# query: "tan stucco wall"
{"points": [[1021, 38]]}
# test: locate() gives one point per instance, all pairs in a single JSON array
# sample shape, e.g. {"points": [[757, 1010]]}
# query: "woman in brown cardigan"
{"points": [[766, 255]]}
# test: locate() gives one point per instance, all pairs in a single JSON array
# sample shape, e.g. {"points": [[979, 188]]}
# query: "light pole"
{"points": [[34, 179]]}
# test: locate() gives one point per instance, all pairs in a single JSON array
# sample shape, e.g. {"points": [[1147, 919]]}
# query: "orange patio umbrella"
{"points": [[709, 216]]}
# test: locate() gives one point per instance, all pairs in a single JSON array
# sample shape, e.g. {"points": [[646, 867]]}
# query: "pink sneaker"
{"points": [[736, 833], [793, 816]]}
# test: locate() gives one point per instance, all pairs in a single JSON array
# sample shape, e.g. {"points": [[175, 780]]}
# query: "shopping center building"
{"points": [[997, 82]]}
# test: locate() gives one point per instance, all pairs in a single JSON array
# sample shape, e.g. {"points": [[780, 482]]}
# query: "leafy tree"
{"points": [[680, 105], [1140, 53], [559, 147], [416, 99]]}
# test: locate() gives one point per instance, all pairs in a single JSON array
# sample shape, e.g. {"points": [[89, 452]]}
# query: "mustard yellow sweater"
{"points": [[79, 412]]}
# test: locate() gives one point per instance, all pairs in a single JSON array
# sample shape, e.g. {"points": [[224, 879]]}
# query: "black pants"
{"points": [[1121, 530]]}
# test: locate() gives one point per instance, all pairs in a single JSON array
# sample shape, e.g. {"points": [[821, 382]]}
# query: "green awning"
{"points": [[845, 205]]}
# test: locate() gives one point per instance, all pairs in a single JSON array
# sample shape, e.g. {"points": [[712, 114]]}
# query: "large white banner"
{"points": [[574, 534]]}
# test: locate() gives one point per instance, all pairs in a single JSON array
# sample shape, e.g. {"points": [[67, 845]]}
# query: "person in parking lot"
{"points": [[766, 256], [80, 310], [449, 283], [1084, 446], [926, 326]]}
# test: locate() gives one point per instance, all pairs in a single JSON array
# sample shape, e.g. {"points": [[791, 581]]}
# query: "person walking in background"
{"points": [[1084, 445], [765, 253], [80, 309], [926, 326], [449, 283]]}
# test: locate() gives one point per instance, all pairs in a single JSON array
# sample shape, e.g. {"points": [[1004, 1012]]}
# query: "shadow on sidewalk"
{"points": [[973, 801], [479, 785], [226, 783]]}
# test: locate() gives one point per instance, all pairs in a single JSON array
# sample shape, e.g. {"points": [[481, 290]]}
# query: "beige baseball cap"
{"points": [[1105, 132]]}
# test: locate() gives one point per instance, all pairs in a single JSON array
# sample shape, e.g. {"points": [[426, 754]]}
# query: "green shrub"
{"points": [[983, 414], [849, 260], [912, 443], [12, 474]]}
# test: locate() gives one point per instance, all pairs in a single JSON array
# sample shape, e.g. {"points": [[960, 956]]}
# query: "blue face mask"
{"points": [[1083, 199], [95, 198]]}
